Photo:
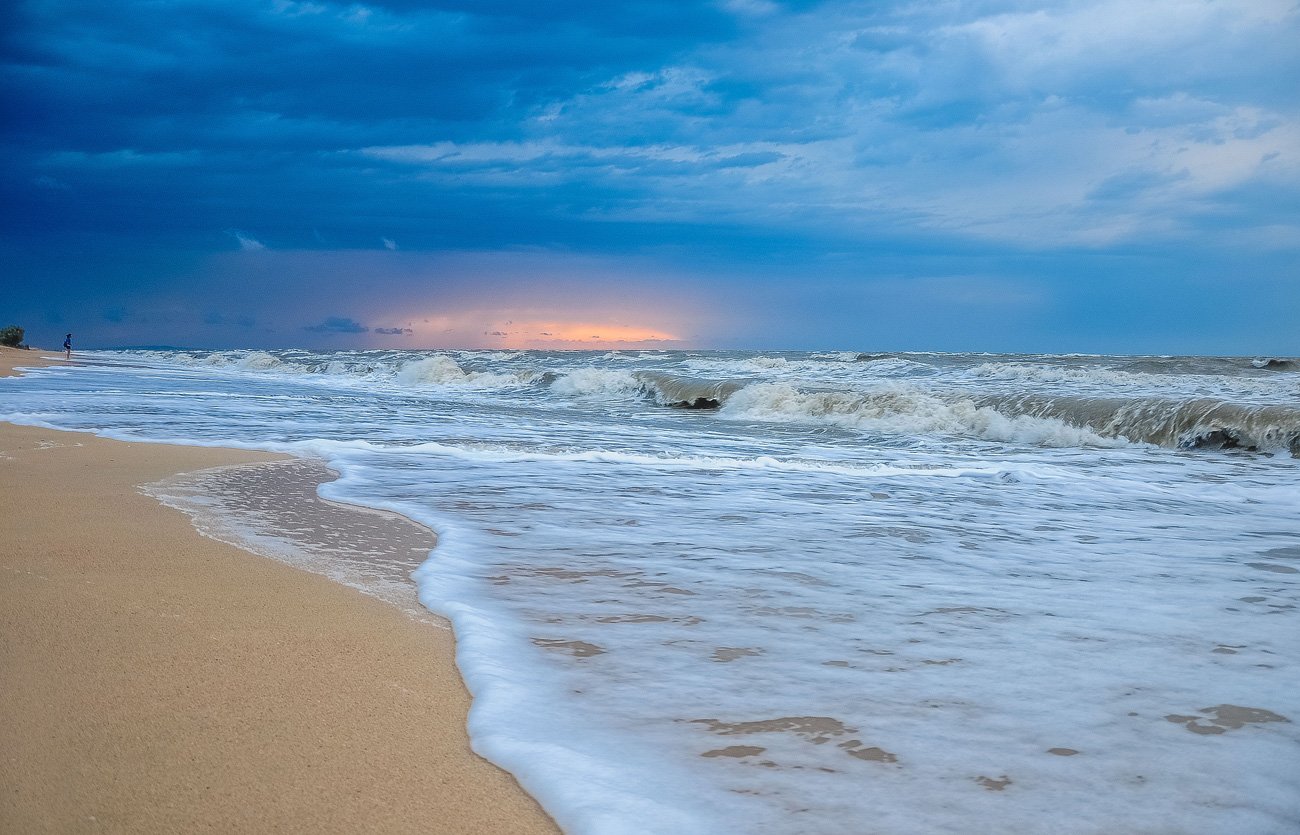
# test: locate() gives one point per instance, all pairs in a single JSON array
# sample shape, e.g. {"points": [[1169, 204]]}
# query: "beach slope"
{"points": [[153, 680]]}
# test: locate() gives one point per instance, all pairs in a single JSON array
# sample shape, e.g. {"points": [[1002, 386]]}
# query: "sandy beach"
{"points": [[153, 680]]}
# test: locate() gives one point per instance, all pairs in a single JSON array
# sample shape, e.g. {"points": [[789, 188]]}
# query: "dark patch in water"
{"points": [[815, 729], [697, 403], [1216, 439], [578, 649], [1223, 718], [735, 751], [1276, 569]]}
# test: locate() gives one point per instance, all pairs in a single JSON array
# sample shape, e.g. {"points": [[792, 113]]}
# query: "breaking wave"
{"points": [[900, 367], [687, 392], [424, 370], [1202, 423], [1186, 424], [1057, 374], [1230, 366], [660, 388], [442, 370], [259, 361], [596, 382], [906, 412]]}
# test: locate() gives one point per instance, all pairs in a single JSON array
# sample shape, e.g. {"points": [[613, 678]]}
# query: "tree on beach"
{"points": [[11, 336]]}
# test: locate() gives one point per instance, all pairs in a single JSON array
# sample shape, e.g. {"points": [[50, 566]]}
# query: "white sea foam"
{"points": [[442, 370], [769, 362], [892, 596], [1058, 374], [259, 361], [436, 369], [903, 411], [597, 382], [493, 356], [1108, 381], [899, 367]]}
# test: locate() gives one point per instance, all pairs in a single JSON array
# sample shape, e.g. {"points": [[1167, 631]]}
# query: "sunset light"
{"points": [[526, 330]]}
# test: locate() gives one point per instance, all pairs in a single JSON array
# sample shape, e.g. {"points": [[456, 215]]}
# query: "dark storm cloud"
{"points": [[509, 123], [176, 120], [311, 76]]}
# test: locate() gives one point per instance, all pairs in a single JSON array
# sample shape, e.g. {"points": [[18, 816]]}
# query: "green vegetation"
{"points": [[11, 336]]}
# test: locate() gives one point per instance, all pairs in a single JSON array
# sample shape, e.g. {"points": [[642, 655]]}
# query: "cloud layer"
{"points": [[753, 145]]}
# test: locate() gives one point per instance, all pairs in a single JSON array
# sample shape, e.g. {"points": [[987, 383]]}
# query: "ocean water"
{"points": [[814, 592]]}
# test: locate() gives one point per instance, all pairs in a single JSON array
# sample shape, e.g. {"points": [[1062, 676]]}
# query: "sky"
{"points": [[955, 175]]}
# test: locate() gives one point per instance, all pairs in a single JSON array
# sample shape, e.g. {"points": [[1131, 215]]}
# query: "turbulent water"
{"points": [[824, 593]]}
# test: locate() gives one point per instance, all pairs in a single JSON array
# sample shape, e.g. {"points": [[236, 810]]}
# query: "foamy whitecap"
{"points": [[259, 361], [903, 412], [596, 382], [432, 370], [898, 367], [442, 370], [340, 368], [494, 356], [1056, 374], [1104, 382]]}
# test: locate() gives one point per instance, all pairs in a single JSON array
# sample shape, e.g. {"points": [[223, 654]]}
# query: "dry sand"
{"points": [[153, 680]]}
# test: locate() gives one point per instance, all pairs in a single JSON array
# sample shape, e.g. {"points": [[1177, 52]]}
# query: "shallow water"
{"points": [[273, 509], [840, 593]]}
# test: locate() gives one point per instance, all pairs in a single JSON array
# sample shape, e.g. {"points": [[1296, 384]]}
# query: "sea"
{"points": [[798, 592]]}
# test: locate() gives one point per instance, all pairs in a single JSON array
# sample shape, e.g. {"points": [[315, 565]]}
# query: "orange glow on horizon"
{"points": [[480, 330], [586, 334]]}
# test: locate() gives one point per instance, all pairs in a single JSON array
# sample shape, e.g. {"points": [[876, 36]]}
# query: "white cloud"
{"points": [[1065, 124]]}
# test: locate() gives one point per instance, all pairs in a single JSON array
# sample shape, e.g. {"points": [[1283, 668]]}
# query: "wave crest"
{"points": [[1184, 424], [596, 382], [687, 392], [442, 370], [258, 361], [1203, 423], [906, 412]]}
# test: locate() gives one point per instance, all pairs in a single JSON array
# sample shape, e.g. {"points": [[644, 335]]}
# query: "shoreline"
{"points": [[157, 680], [273, 509]]}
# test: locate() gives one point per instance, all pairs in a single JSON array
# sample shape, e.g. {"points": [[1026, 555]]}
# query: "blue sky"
{"points": [[1002, 176]]}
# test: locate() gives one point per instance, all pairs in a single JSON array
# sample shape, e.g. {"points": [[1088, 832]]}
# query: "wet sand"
{"points": [[154, 680]]}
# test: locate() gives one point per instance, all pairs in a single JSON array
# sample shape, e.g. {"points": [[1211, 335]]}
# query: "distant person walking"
{"points": [[67, 345]]}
